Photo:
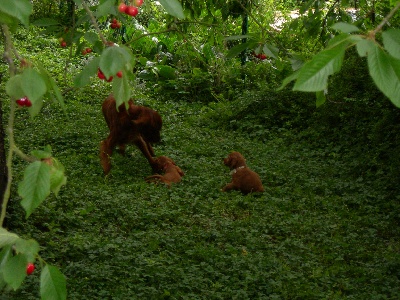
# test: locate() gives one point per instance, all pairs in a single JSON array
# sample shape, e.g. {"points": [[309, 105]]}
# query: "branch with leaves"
{"points": [[383, 60]]}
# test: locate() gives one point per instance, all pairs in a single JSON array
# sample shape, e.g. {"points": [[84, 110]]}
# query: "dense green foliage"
{"points": [[326, 227]]}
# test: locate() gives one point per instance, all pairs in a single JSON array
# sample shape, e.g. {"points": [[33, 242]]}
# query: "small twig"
{"points": [[10, 126], [326, 17], [384, 21], [12, 148], [94, 23]]}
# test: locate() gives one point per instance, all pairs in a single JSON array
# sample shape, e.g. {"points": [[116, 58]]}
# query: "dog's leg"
{"points": [[142, 145], [150, 148], [106, 150], [228, 187]]}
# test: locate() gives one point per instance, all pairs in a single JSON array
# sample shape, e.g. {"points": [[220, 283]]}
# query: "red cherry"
{"points": [[122, 8], [119, 74], [262, 56], [110, 79], [138, 3], [30, 268], [21, 102], [100, 74], [119, 25], [114, 21], [114, 25], [63, 44], [28, 102], [132, 11], [88, 50], [84, 52]]}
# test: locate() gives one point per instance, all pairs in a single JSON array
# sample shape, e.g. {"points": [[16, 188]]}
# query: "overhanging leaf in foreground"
{"points": [[385, 71], [52, 284], [35, 187], [313, 76]]}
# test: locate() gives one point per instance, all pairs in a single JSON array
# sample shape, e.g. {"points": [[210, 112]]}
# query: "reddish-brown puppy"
{"points": [[172, 173], [134, 124], [243, 179]]}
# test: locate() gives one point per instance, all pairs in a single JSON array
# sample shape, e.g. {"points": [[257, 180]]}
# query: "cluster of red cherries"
{"points": [[24, 102], [261, 56], [131, 10], [115, 24], [101, 75]]}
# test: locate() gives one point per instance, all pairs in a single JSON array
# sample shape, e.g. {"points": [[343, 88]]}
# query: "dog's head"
{"points": [[162, 161], [235, 160]]}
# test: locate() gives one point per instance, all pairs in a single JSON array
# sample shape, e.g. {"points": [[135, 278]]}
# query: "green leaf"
{"points": [[289, 79], [105, 8], [114, 59], [7, 238], [13, 87], [52, 284], [5, 256], [91, 37], [40, 154], [7, 19], [29, 248], [51, 85], [385, 71], [364, 47], [391, 41], [83, 78], [173, 7], [57, 92], [20, 9], [236, 50], [14, 270], [313, 76], [321, 99], [121, 90], [270, 50], [345, 27], [167, 72], [35, 187], [306, 6], [57, 176], [46, 22], [33, 85]]}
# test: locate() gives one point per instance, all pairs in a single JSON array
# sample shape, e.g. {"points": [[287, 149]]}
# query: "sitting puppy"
{"points": [[243, 179], [172, 173]]}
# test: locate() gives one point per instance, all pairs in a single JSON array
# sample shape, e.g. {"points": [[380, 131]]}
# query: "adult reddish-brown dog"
{"points": [[243, 179], [172, 173], [134, 124]]}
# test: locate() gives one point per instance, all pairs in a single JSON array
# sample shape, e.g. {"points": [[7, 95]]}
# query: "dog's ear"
{"points": [[233, 161]]}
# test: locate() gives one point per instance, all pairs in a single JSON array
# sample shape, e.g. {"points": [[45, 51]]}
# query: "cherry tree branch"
{"points": [[385, 20]]}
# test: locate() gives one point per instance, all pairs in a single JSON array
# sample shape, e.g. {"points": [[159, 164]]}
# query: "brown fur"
{"points": [[134, 124], [243, 179], [172, 173]]}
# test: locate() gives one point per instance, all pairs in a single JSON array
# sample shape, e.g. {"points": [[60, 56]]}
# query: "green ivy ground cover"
{"points": [[316, 233]]}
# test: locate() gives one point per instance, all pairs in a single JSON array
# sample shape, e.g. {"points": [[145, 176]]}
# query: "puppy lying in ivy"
{"points": [[172, 173], [243, 179]]}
